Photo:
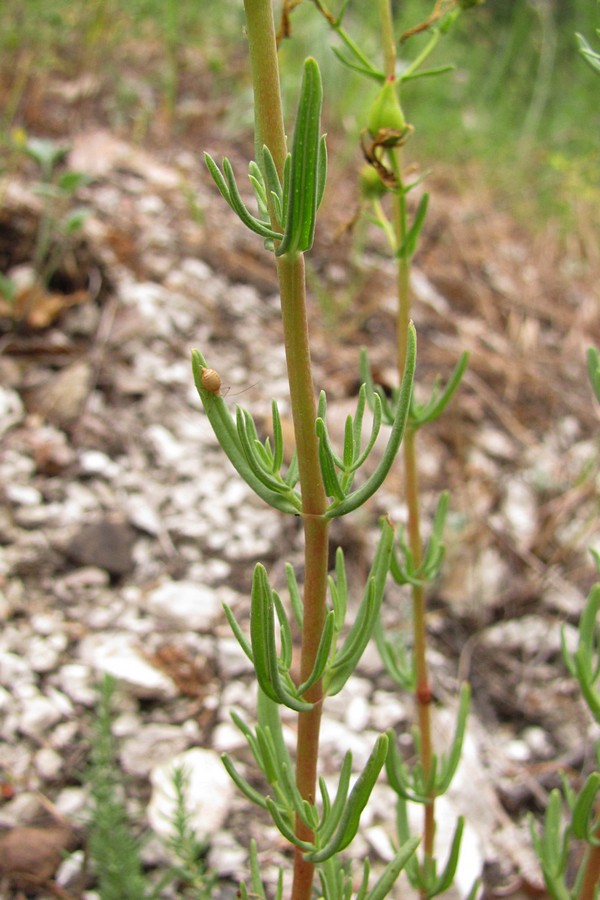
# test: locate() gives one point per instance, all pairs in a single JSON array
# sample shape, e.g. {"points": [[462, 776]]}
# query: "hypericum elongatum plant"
{"points": [[318, 486], [387, 190]]}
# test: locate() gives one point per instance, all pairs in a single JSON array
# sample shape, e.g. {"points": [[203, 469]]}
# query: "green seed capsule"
{"points": [[386, 113]]}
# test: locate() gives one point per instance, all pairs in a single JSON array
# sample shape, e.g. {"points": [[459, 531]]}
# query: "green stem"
{"points": [[290, 270], [268, 111], [336, 25], [591, 877], [422, 686], [295, 329], [411, 485], [387, 37]]}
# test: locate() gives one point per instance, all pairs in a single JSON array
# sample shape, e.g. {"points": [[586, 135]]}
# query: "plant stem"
{"points": [[268, 111], [295, 329], [411, 481], [422, 687], [290, 270], [387, 37], [411, 486], [591, 877]]}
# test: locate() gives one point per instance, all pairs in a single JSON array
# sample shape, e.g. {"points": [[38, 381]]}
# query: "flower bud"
{"points": [[386, 113]]}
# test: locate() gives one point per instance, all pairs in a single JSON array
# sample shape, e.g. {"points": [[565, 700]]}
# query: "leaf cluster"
{"points": [[287, 205], [333, 664], [260, 462], [420, 413], [335, 825]]}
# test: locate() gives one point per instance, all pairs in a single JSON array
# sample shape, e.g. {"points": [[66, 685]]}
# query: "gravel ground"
{"points": [[122, 529]]}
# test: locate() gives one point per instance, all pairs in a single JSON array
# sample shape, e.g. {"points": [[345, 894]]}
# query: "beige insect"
{"points": [[211, 381]]}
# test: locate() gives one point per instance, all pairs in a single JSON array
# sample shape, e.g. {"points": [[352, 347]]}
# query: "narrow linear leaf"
{"points": [[284, 827], [305, 169], [269, 718], [277, 209], [588, 53], [361, 630], [241, 783], [372, 390], [368, 70], [322, 406], [294, 591], [443, 882], [262, 633], [375, 428], [449, 765], [264, 454], [239, 207], [307, 812], [226, 432], [359, 415], [277, 438], [258, 889], [392, 870], [395, 659], [332, 820], [237, 631], [269, 760], [403, 829], [217, 177], [359, 796], [292, 475], [409, 244], [399, 777], [584, 827], [248, 734], [346, 658], [255, 458], [285, 633], [327, 462], [321, 170], [593, 367], [341, 584], [271, 174], [287, 177], [348, 453], [364, 885], [428, 73], [373, 483], [325, 798], [258, 185], [322, 654], [436, 407]]}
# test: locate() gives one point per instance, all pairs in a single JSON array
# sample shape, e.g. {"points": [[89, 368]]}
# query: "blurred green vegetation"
{"points": [[520, 101], [520, 105]]}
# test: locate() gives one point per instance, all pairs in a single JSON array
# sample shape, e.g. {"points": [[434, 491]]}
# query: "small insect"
{"points": [[211, 381]]}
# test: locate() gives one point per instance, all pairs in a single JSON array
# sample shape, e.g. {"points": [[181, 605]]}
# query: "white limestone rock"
{"points": [[208, 794], [117, 654], [194, 607]]}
